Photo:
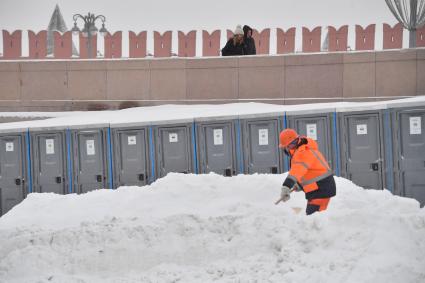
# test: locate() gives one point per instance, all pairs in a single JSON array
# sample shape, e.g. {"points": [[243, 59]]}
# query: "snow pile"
{"points": [[209, 228]]}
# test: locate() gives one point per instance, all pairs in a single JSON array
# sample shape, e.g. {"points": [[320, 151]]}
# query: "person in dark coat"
{"points": [[235, 45], [248, 41]]}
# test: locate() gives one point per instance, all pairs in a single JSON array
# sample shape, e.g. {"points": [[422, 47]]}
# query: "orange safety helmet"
{"points": [[286, 137]]}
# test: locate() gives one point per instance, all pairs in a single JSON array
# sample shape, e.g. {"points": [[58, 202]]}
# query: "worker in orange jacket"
{"points": [[309, 171]]}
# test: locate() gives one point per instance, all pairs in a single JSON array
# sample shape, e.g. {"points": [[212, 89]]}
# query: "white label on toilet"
{"points": [[9, 146], [131, 140], [50, 146], [90, 147], [362, 129], [263, 136], [173, 137], [218, 136], [415, 125], [311, 130]]}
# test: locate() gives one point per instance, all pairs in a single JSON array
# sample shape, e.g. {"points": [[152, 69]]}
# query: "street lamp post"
{"points": [[90, 28]]}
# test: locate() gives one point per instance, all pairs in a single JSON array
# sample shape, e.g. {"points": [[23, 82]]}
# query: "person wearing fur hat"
{"points": [[235, 46], [249, 41]]}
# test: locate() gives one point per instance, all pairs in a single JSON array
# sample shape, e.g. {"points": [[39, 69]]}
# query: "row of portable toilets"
{"points": [[376, 149]]}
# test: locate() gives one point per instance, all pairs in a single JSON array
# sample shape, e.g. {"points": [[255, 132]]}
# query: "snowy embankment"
{"points": [[205, 228]]}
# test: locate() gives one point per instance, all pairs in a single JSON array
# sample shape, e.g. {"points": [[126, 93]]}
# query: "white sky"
{"points": [[186, 15]]}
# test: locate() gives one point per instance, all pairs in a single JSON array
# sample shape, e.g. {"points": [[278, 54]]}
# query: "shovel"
{"points": [[281, 199]]}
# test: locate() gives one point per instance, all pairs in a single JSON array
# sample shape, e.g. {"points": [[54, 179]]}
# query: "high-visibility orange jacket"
{"points": [[308, 167]]}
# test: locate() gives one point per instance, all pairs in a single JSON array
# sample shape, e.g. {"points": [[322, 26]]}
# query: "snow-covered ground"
{"points": [[209, 228]]}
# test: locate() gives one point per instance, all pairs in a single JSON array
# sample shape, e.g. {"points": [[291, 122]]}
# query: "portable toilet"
{"points": [[362, 148], [49, 155], [91, 158], [174, 147], [131, 154], [216, 145], [14, 182], [260, 139], [317, 124], [408, 125]]}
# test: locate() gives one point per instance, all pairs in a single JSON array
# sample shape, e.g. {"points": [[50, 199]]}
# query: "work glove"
{"points": [[297, 187], [285, 194]]}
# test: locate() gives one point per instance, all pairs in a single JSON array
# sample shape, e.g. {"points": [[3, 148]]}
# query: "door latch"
{"points": [[141, 177], [375, 166], [99, 178], [58, 180], [17, 181]]}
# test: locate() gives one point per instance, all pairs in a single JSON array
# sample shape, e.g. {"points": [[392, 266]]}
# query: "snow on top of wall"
{"points": [[155, 115]]}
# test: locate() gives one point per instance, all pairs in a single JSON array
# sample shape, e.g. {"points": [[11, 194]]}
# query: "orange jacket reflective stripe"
{"points": [[308, 166]]}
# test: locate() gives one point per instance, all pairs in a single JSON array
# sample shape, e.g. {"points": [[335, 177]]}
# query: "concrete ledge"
{"points": [[359, 57], [396, 55], [87, 65], [261, 61], [314, 59], [359, 79], [396, 78], [9, 66], [38, 66], [279, 79], [420, 53], [168, 63], [214, 62], [131, 64]]}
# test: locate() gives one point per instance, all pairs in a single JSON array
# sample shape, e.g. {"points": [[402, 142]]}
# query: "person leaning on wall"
{"points": [[235, 45], [249, 41]]}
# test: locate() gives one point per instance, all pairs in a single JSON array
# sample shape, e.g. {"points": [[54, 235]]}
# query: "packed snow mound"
{"points": [[209, 228]]}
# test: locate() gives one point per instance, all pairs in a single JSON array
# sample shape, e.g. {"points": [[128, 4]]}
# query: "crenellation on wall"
{"points": [[365, 38], [285, 40]]}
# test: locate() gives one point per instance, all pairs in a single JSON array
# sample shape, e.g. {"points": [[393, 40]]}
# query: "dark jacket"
{"points": [[233, 50], [327, 189], [249, 41]]}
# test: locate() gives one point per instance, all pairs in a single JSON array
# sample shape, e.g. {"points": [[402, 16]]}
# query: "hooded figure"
{"points": [[309, 171], [249, 41], [235, 45]]}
